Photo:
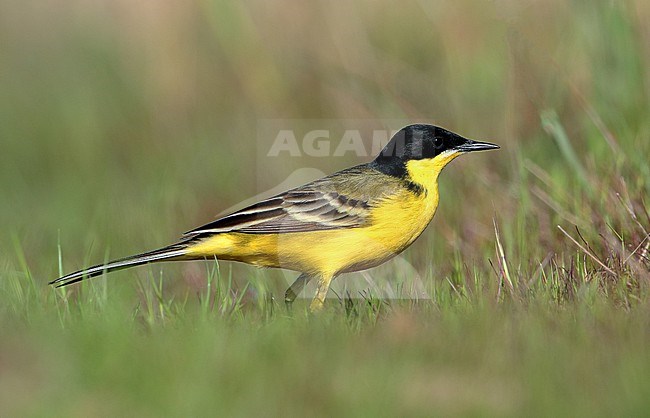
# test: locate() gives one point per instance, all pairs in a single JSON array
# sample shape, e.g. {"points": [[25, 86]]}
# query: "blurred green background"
{"points": [[124, 124]]}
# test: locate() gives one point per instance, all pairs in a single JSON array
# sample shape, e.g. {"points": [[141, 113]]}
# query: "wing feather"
{"points": [[337, 201]]}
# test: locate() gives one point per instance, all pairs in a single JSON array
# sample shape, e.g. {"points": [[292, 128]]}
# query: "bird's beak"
{"points": [[470, 146]]}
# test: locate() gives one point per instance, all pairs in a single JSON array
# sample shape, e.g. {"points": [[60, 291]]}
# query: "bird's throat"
{"points": [[425, 172]]}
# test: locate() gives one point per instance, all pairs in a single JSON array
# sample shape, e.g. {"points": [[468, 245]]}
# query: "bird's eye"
{"points": [[437, 142]]}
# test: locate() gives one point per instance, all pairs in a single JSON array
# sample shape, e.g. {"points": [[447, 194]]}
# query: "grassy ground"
{"points": [[123, 125]]}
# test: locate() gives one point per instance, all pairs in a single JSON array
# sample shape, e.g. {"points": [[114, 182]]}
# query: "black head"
{"points": [[421, 141]]}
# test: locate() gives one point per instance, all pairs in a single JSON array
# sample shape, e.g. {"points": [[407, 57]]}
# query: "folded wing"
{"points": [[342, 200]]}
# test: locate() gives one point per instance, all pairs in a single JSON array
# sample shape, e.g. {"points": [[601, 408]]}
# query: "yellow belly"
{"points": [[394, 226]]}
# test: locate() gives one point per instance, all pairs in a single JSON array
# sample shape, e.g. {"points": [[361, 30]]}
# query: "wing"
{"points": [[342, 200]]}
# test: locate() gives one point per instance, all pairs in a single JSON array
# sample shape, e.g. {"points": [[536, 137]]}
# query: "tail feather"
{"points": [[173, 252]]}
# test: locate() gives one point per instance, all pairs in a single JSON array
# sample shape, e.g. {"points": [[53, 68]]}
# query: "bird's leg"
{"points": [[294, 290], [321, 292]]}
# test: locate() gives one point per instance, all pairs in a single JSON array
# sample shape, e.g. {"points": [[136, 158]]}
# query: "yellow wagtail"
{"points": [[351, 220]]}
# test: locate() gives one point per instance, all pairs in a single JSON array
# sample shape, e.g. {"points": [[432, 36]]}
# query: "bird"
{"points": [[352, 220]]}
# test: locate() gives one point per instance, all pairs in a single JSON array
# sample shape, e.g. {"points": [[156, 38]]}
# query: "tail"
{"points": [[173, 252]]}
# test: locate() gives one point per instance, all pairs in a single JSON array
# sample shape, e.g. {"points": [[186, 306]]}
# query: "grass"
{"points": [[121, 127]]}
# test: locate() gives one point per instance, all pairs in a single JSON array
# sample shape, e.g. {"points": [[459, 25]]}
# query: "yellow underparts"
{"points": [[394, 225]]}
